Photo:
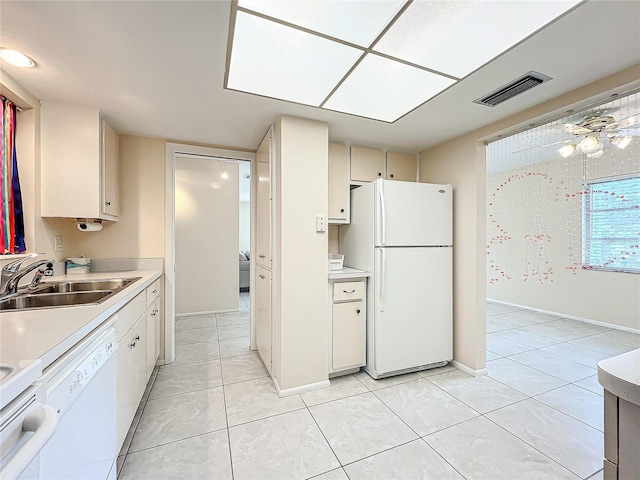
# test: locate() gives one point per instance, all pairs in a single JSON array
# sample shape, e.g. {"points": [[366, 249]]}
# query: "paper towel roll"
{"points": [[89, 226]]}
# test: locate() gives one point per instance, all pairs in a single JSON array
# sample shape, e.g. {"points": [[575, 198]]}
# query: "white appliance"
{"points": [[26, 424], [401, 232], [81, 387]]}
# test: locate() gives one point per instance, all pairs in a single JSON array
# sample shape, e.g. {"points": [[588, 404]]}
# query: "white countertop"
{"points": [[621, 375], [348, 272], [46, 334]]}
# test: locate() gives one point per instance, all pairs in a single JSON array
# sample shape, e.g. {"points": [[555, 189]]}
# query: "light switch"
{"points": [[57, 243], [321, 223]]}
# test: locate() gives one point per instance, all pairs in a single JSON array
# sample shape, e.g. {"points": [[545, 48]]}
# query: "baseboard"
{"points": [[470, 371], [301, 389], [570, 317]]}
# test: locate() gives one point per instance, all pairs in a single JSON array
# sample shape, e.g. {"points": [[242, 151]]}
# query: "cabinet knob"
{"points": [[137, 338], [379, 174], [155, 291], [108, 203], [262, 256], [391, 175], [358, 311], [342, 210], [262, 277], [133, 345]]}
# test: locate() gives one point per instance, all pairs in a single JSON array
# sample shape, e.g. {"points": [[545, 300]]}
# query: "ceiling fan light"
{"points": [[567, 150], [590, 145], [621, 142], [596, 154]]}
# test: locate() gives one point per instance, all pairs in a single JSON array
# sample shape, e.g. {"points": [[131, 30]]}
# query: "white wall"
{"points": [[245, 226], [206, 235]]}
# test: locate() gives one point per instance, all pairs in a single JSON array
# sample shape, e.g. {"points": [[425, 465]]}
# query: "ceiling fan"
{"points": [[595, 129]]}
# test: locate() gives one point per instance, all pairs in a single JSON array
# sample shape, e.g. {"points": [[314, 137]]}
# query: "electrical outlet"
{"points": [[57, 243], [321, 223]]}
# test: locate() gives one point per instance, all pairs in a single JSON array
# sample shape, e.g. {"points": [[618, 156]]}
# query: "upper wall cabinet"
{"points": [[338, 183], [79, 163], [367, 164], [401, 166]]}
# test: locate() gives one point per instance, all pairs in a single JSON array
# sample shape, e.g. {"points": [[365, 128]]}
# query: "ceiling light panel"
{"points": [[277, 61], [358, 22], [385, 89], [456, 38]]}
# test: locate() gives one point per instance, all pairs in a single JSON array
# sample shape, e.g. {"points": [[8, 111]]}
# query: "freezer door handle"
{"points": [[383, 222], [383, 261]]}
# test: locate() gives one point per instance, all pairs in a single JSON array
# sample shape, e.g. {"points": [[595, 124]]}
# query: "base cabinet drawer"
{"points": [[349, 335], [348, 291]]}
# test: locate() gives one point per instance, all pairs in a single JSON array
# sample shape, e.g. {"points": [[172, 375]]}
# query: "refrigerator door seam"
{"points": [[383, 222], [382, 278]]}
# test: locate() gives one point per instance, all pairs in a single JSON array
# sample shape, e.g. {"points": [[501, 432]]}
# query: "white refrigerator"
{"points": [[401, 232]]}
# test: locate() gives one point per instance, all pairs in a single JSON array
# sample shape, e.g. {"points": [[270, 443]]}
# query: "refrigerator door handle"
{"points": [[383, 261], [383, 222]]}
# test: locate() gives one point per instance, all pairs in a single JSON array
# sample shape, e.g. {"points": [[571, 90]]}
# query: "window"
{"points": [[611, 226]]}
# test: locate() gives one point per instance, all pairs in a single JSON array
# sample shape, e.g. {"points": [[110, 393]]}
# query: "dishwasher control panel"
{"points": [[65, 387]]}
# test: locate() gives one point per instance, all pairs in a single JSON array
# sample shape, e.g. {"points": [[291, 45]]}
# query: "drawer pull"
{"points": [[358, 311], [348, 293]]}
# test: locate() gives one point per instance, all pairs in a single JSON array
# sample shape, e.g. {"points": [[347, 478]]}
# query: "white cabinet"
{"points": [[338, 184], [367, 164], [138, 332], [348, 326], [401, 166], [263, 203], [79, 163], [264, 317]]}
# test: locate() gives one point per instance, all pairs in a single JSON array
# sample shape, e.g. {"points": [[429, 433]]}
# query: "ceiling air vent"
{"points": [[518, 86]]}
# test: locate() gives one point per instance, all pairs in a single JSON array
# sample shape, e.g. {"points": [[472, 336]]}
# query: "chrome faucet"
{"points": [[12, 274]]}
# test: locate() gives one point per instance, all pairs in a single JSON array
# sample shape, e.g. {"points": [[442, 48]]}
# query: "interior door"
{"points": [[413, 307], [413, 214]]}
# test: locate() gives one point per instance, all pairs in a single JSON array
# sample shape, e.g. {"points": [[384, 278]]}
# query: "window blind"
{"points": [[611, 226]]}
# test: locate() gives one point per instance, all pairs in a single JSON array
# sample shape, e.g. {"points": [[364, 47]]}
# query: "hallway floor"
{"points": [[214, 413]]}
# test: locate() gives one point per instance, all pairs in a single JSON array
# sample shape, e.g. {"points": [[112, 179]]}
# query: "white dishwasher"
{"points": [[81, 387]]}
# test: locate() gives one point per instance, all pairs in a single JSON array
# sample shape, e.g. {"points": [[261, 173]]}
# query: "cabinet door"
{"points": [[367, 164], [401, 166], [263, 316], [349, 335], [110, 170], [263, 205], [126, 408], [338, 184], [153, 337], [140, 359]]}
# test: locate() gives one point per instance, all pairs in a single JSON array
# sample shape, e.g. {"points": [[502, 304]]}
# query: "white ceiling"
{"points": [[157, 69]]}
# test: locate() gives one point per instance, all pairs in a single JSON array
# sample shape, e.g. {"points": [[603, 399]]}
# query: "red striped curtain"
{"points": [[11, 216]]}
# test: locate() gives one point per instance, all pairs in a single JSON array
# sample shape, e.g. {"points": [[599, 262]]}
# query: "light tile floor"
{"points": [[214, 414]]}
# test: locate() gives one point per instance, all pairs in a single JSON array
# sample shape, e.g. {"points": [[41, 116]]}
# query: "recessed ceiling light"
{"points": [[355, 22], [385, 89], [458, 37], [276, 61], [15, 58]]}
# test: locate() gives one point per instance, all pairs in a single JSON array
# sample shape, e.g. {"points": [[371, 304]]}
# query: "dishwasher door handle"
{"points": [[42, 421]]}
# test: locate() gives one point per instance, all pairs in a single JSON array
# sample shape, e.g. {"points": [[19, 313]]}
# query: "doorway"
{"points": [[203, 219]]}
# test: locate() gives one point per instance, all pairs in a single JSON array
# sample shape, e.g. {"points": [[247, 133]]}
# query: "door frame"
{"points": [[173, 149]]}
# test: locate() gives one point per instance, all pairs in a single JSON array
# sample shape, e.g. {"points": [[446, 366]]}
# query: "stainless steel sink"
{"points": [[47, 300], [113, 284], [66, 294]]}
